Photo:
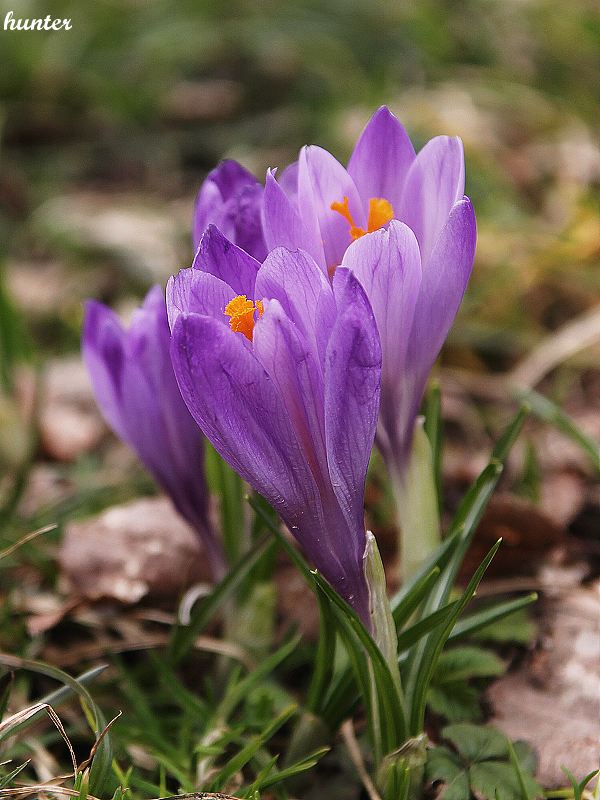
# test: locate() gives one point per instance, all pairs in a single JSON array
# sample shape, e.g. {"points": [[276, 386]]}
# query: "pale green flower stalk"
{"points": [[415, 495]]}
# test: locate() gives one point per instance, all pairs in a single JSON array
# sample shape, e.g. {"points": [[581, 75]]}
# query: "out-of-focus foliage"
{"points": [[151, 94], [106, 131]]}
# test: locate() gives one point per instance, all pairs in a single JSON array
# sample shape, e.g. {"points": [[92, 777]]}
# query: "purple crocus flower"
{"points": [[402, 224], [135, 387], [281, 369], [231, 199]]}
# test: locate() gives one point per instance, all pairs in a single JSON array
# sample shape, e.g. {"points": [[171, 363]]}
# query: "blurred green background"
{"points": [[108, 129], [113, 124]]}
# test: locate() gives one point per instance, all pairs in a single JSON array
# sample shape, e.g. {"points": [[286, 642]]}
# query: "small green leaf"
{"points": [[421, 666], [275, 777], [498, 779], [525, 790], [476, 742], [463, 663], [481, 765], [415, 632], [403, 610], [456, 702], [579, 787], [235, 695], [7, 779], [249, 751], [450, 694], [526, 755], [444, 765]]}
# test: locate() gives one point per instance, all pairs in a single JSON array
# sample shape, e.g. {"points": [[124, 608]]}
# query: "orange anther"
{"points": [[381, 212], [241, 312]]}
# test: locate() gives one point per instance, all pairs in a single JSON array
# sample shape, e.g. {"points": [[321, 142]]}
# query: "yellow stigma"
{"points": [[381, 212], [241, 313]]}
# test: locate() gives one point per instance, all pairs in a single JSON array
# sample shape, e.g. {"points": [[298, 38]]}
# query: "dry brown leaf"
{"points": [[70, 423], [553, 702], [139, 549], [528, 536]]}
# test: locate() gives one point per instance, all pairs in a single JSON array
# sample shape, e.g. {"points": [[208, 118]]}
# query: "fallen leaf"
{"points": [[70, 423], [132, 551], [553, 701]]}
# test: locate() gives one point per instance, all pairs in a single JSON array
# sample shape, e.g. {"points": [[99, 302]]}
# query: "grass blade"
{"points": [[421, 669], [183, 636], [549, 412], [474, 622]]}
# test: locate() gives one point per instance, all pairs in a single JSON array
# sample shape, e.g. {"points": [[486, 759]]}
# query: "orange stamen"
{"points": [[241, 313], [344, 210], [381, 212]]}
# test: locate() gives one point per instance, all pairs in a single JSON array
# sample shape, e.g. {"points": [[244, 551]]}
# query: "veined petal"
{"points": [[445, 279], [435, 182], [381, 159], [240, 411], [245, 213], [222, 258], [305, 294], [292, 366], [136, 390], [322, 180], [288, 180], [103, 349], [231, 199], [388, 265], [336, 544], [282, 223], [352, 388], [194, 292]]}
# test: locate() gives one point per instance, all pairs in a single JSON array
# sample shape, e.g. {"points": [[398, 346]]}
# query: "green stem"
{"points": [[401, 773], [415, 493]]}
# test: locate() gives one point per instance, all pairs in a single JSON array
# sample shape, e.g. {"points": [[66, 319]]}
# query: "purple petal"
{"points": [[237, 407], [322, 181], [282, 223], [336, 542], [103, 343], [135, 387], [388, 265], [246, 216], [220, 257], [303, 291], [196, 292], [291, 364], [225, 180], [231, 199], [288, 180], [435, 182], [445, 279], [352, 387], [381, 159]]}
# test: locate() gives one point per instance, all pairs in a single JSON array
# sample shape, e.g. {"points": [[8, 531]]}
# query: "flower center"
{"points": [[381, 212], [241, 312]]}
